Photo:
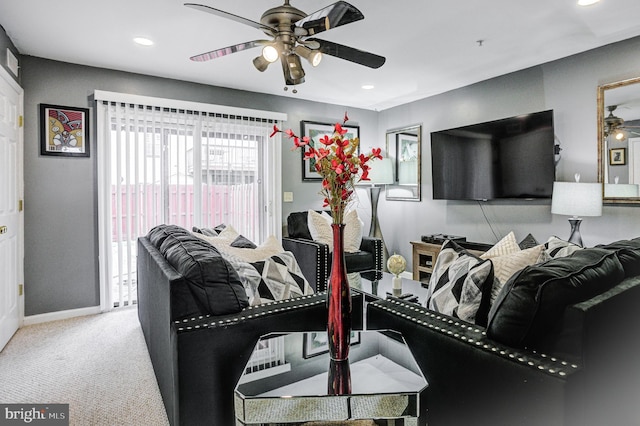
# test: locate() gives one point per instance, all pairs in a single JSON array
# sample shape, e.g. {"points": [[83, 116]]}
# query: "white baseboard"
{"points": [[60, 315]]}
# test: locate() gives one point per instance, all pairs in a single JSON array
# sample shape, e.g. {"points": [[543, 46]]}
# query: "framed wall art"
{"points": [[64, 131], [617, 156], [315, 131]]}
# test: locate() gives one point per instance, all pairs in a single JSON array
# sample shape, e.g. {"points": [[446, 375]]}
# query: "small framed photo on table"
{"points": [[617, 156], [316, 131], [64, 131]]}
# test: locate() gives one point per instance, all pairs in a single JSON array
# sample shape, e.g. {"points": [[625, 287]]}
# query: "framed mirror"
{"points": [[404, 148], [619, 141]]}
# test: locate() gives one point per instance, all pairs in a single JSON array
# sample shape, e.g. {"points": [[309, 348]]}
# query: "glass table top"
{"points": [[298, 382]]}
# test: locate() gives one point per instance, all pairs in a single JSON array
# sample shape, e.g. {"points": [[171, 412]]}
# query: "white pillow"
{"points": [[320, 229], [507, 245]]}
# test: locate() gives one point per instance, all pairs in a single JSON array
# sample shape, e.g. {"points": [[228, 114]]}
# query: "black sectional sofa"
{"points": [[198, 326], [562, 346]]}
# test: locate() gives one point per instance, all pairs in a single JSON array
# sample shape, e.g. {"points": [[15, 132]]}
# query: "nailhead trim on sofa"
{"points": [[475, 335]]}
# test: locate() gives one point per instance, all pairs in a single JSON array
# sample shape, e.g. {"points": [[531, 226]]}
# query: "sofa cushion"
{"points": [[158, 233], [534, 299], [628, 252], [206, 231], [460, 284], [214, 284]]}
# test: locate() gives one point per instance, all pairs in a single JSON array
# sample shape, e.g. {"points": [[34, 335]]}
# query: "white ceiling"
{"points": [[431, 46]]}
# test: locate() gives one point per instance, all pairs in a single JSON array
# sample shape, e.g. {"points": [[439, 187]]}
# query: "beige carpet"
{"points": [[97, 364]]}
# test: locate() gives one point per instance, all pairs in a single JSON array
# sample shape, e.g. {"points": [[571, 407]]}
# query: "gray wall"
{"points": [[60, 206], [6, 43], [569, 87], [61, 254]]}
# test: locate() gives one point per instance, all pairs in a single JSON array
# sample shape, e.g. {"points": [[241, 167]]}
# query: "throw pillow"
{"points": [[504, 267], [628, 252], [555, 247], [506, 245], [206, 231], [270, 247], [458, 284], [528, 242], [321, 231], [243, 242], [320, 227], [275, 278]]}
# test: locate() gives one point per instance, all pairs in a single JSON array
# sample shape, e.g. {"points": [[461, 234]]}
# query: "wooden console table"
{"points": [[424, 259]]}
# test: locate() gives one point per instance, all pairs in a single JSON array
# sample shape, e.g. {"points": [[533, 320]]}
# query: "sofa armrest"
{"points": [[495, 384], [313, 259], [374, 245]]}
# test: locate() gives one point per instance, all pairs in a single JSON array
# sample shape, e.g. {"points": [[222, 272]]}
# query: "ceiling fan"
{"points": [[291, 32], [614, 125]]}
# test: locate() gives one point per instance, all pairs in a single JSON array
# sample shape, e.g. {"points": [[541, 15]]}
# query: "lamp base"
{"points": [[575, 236]]}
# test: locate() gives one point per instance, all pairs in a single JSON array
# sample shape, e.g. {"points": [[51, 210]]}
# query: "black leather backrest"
{"points": [[297, 225]]}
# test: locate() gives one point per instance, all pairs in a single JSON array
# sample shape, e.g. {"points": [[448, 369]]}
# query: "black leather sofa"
{"points": [[565, 350], [314, 257], [199, 329]]}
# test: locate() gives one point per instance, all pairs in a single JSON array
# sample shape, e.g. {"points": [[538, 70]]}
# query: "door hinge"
{"points": [[20, 121], [20, 289], [20, 206]]}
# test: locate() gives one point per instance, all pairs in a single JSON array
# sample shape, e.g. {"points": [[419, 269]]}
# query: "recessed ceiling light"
{"points": [[368, 86], [587, 2], [143, 41]]}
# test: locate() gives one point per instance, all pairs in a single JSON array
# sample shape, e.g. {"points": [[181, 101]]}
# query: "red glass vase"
{"points": [[339, 378], [338, 300]]}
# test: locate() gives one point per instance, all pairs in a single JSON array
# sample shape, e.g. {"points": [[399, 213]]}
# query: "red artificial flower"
{"points": [[325, 140], [275, 131], [339, 130], [346, 118], [375, 152]]}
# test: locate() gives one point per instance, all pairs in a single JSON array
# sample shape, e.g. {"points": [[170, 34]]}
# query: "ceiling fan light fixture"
{"points": [[270, 53], [619, 135], [312, 56], [292, 68], [260, 63]]}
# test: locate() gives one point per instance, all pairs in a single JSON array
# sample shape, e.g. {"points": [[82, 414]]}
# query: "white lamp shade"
{"points": [[380, 172], [621, 190], [577, 199]]}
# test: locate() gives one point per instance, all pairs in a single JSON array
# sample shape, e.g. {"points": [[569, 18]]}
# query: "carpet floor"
{"points": [[97, 364]]}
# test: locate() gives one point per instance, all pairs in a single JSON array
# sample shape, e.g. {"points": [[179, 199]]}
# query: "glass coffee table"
{"points": [[413, 291], [305, 385]]}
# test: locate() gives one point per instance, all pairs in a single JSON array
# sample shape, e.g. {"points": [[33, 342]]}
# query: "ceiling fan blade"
{"points": [[351, 54], [332, 16], [233, 17], [218, 53]]}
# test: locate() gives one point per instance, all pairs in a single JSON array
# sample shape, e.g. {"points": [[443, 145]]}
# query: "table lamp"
{"points": [[380, 173], [576, 199]]}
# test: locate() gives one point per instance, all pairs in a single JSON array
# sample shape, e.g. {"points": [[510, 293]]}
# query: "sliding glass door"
{"points": [[182, 167]]}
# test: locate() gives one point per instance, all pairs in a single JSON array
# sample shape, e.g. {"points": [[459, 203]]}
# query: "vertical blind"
{"points": [[161, 161]]}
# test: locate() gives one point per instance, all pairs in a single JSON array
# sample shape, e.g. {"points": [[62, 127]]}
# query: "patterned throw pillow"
{"points": [[458, 284], [504, 267], [528, 242], [506, 245], [276, 278], [555, 247], [320, 230]]}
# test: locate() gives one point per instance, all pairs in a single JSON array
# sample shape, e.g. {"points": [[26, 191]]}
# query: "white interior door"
{"points": [[11, 232]]}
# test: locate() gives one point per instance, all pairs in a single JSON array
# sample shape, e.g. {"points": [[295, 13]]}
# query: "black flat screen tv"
{"points": [[511, 158]]}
